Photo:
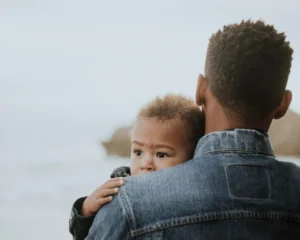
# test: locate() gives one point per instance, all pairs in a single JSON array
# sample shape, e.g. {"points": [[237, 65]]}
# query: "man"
{"points": [[234, 188]]}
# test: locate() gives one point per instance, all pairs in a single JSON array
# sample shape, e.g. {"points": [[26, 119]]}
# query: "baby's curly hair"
{"points": [[173, 106], [247, 67]]}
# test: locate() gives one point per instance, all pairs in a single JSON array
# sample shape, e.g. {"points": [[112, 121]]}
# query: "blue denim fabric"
{"points": [[233, 188]]}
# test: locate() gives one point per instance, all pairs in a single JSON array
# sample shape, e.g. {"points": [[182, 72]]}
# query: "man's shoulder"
{"points": [[211, 175], [193, 167], [209, 166], [218, 182], [199, 167], [162, 192]]}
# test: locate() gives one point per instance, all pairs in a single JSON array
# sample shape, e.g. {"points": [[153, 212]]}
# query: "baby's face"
{"points": [[158, 144]]}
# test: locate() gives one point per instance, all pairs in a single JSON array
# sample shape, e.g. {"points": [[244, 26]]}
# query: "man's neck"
{"points": [[218, 120]]}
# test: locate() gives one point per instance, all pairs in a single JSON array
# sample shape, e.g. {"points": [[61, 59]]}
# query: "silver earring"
{"points": [[201, 108]]}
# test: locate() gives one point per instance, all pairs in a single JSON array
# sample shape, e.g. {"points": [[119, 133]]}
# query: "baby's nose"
{"points": [[148, 164]]}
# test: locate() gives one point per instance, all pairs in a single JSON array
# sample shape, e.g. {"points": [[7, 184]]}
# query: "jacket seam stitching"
{"points": [[211, 216], [125, 205], [233, 150]]}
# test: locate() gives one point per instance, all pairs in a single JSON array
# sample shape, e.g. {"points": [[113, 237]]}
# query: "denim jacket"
{"points": [[233, 188]]}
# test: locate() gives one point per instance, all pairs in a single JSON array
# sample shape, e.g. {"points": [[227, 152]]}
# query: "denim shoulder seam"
{"points": [[222, 215], [126, 208], [228, 151]]}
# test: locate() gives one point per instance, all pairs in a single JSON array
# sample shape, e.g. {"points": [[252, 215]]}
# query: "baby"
{"points": [[165, 134]]}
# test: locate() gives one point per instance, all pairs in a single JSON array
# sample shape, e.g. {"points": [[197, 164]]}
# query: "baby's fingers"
{"points": [[107, 192], [102, 201], [112, 183]]}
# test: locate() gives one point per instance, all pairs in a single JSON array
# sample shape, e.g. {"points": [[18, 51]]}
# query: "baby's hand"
{"points": [[101, 196]]}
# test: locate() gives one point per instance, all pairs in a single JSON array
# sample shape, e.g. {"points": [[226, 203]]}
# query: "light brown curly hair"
{"points": [[173, 106]]}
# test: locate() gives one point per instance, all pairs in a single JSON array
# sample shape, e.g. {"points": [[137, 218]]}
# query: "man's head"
{"points": [[165, 133], [246, 71]]}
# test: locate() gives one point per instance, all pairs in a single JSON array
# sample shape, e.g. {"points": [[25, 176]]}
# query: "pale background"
{"points": [[71, 71]]}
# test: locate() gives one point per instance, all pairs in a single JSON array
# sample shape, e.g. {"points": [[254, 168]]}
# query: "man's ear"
{"points": [[284, 105], [201, 90]]}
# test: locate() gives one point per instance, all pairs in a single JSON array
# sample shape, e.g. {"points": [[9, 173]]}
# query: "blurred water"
{"points": [[36, 198]]}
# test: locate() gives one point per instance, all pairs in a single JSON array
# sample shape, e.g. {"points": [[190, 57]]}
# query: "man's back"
{"points": [[234, 188]]}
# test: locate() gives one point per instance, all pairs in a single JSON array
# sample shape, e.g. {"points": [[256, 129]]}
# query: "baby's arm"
{"points": [[79, 225], [85, 209]]}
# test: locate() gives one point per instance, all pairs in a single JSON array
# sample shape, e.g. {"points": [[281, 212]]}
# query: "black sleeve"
{"points": [[79, 225], [121, 172]]}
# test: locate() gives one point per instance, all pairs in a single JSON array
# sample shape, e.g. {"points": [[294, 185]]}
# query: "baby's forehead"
{"points": [[144, 124], [158, 130]]}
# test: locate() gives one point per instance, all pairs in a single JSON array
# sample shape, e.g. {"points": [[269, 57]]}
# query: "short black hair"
{"points": [[247, 67]]}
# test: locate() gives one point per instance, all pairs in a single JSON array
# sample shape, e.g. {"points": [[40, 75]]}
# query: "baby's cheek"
{"points": [[161, 164], [134, 172], [134, 167], [176, 161]]}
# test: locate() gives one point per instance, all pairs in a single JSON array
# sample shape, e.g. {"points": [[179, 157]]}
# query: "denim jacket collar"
{"points": [[236, 140]]}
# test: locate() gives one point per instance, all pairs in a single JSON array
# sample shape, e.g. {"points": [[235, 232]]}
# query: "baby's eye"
{"points": [[137, 152], [161, 155]]}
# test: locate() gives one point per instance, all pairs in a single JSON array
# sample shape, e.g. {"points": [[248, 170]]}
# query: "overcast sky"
{"points": [[70, 71]]}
